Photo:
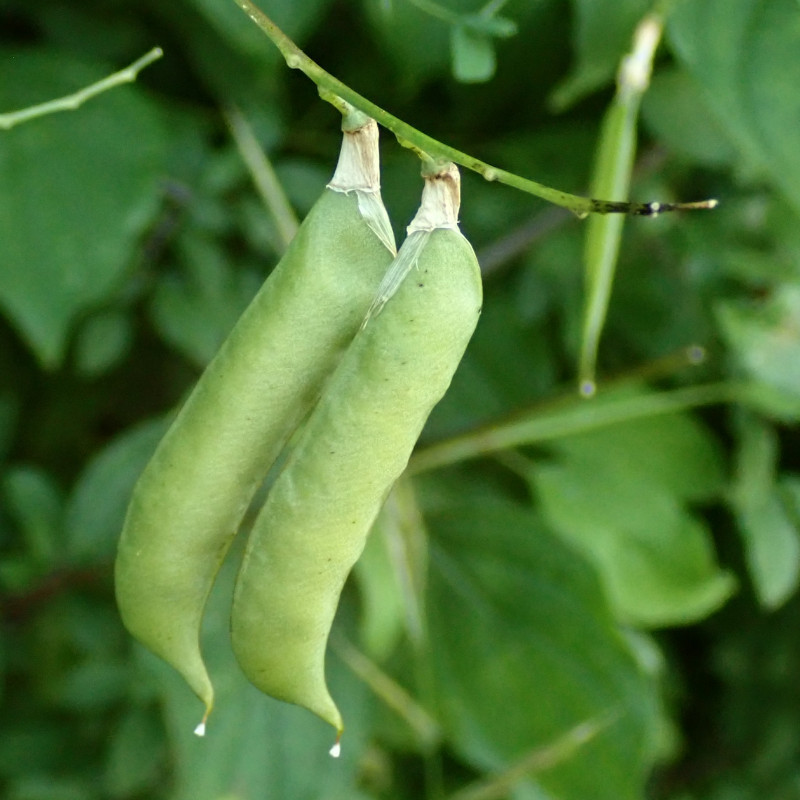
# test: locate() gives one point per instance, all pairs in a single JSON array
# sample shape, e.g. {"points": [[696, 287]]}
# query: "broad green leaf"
{"points": [[382, 598], [96, 507], [96, 684], [524, 649], [743, 56], [772, 542], [391, 574], [296, 19], [673, 451], [102, 341], [33, 499], [29, 746], [135, 754], [764, 337], [76, 191], [765, 515], [416, 43], [233, 25], [196, 312], [601, 36], [415, 35], [8, 420], [656, 560], [473, 55], [676, 111], [619, 494], [51, 787], [756, 462]]}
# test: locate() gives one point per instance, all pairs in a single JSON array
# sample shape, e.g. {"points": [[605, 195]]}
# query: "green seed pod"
{"points": [[190, 499], [354, 446], [613, 168]]}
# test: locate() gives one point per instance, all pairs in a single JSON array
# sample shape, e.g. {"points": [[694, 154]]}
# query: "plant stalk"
{"points": [[409, 136]]}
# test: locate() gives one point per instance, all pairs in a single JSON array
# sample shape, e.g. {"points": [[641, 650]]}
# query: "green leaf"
{"points": [[524, 649], [382, 617], [102, 342], [473, 55], [756, 463], [96, 507], [8, 420], [408, 38], [764, 337], [135, 754], [76, 191], [296, 19], [618, 494], [673, 451], [765, 517], [50, 787], [34, 500], [743, 55], [96, 684], [772, 544], [656, 560], [235, 27], [196, 312], [676, 111]]}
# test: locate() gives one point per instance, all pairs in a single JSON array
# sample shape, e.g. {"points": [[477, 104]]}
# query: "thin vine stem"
{"points": [[76, 100], [499, 786], [492, 7], [264, 177], [409, 136], [575, 417], [437, 11]]}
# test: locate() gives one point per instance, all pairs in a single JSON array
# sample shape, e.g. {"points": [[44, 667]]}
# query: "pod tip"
{"points": [[200, 729]]}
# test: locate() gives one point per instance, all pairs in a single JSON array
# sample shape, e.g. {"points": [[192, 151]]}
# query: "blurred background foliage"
{"points": [[569, 598]]}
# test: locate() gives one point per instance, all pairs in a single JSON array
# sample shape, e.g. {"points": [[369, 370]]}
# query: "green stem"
{"points": [[264, 177], [393, 695], [574, 416], [437, 11], [492, 7], [76, 100], [580, 206], [537, 760], [408, 544]]}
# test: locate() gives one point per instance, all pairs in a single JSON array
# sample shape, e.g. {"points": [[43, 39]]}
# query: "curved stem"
{"points": [[76, 100], [569, 418], [437, 11], [492, 7], [580, 206], [263, 174]]}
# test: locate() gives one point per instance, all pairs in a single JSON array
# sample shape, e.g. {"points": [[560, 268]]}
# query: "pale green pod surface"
{"points": [[190, 499], [355, 445]]}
